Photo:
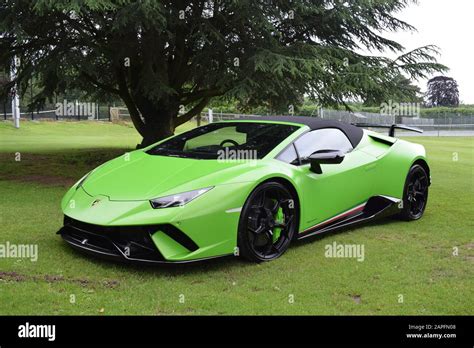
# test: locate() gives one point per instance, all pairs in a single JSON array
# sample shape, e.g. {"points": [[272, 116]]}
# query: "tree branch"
{"points": [[179, 120], [101, 85], [187, 98]]}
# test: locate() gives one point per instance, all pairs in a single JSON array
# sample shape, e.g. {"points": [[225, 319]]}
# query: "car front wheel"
{"points": [[267, 223]]}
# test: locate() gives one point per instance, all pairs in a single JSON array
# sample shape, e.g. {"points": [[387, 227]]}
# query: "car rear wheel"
{"points": [[415, 194], [267, 223]]}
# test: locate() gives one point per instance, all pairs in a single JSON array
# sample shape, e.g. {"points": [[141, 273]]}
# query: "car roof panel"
{"points": [[353, 133]]}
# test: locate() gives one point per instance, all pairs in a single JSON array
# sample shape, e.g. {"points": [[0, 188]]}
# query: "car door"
{"points": [[340, 187]]}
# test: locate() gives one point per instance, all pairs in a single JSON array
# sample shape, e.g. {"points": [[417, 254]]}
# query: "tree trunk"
{"points": [[161, 118], [157, 128]]}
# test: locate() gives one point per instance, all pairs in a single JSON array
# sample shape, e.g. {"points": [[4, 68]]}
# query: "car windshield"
{"points": [[226, 139]]}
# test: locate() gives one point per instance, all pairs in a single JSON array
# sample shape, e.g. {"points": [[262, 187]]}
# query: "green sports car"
{"points": [[246, 187]]}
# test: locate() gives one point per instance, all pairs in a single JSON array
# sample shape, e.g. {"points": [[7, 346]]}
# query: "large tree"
{"points": [[166, 59], [442, 91]]}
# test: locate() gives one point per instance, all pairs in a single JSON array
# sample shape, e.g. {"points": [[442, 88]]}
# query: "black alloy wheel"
{"points": [[415, 195], [268, 222]]}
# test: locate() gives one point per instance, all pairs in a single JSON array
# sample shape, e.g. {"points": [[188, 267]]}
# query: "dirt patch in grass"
{"points": [[51, 278], [12, 276], [356, 298]]}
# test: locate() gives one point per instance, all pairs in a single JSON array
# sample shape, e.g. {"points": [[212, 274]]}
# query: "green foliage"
{"points": [[166, 60], [442, 91], [466, 110], [406, 92]]}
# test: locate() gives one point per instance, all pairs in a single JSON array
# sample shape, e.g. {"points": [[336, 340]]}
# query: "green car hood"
{"points": [[140, 176]]}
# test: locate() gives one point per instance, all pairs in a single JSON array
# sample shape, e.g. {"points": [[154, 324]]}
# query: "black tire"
{"points": [[261, 237], [415, 194]]}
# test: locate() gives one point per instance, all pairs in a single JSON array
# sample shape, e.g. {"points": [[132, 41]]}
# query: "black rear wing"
{"points": [[391, 128]]}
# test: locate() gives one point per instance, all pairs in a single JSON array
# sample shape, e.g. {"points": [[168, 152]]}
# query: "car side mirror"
{"points": [[324, 157]]}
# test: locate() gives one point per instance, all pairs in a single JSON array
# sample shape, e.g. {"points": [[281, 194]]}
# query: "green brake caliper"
{"points": [[279, 219]]}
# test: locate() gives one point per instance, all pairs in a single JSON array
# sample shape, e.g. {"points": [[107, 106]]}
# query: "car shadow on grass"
{"points": [[58, 168], [209, 265], [216, 264]]}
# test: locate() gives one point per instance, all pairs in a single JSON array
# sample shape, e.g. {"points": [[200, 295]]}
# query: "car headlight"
{"points": [[81, 180], [178, 199]]}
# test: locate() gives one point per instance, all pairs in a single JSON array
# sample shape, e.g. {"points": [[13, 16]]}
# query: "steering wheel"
{"points": [[233, 142]]}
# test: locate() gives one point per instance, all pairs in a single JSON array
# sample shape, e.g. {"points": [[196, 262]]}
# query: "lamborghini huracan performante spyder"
{"points": [[246, 187]]}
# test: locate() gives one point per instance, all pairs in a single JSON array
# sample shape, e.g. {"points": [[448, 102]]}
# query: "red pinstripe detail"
{"points": [[354, 210]]}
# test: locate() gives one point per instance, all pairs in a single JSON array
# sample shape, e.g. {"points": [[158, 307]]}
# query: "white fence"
{"points": [[447, 125]]}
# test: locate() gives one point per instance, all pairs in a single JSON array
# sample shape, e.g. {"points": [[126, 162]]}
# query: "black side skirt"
{"points": [[376, 207]]}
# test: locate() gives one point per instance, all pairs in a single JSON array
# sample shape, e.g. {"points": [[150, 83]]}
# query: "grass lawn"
{"points": [[409, 268]]}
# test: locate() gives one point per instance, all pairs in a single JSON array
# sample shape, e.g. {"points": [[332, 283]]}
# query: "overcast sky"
{"points": [[448, 24]]}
